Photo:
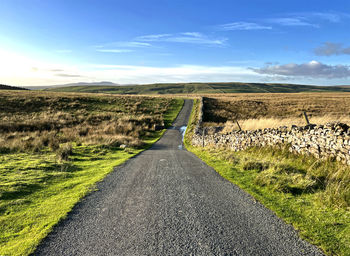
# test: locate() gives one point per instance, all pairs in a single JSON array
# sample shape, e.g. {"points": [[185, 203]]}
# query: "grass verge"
{"points": [[296, 188], [37, 191]]}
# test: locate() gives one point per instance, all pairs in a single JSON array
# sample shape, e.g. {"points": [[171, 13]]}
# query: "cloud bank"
{"points": [[312, 69]]}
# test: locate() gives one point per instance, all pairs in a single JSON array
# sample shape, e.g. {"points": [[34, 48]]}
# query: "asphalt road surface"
{"points": [[166, 201]]}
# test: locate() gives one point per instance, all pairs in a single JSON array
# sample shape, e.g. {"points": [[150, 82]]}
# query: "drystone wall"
{"points": [[331, 140]]}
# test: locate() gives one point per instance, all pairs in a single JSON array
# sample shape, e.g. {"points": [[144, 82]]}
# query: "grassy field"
{"points": [[202, 88], [56, 146], [312, 195], [256, 111]]}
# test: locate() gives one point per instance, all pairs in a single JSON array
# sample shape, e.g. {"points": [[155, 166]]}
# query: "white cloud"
{"points": [[294, 21], [131, 44], [328, 49], [127, 74], [312, 69], [186, 37], [67, 75], [194, 34], [21, 71], [302, 19], [121, 47], [243, 26], [152, 38], [330, 16], [311, 19], [16, 69], [115, 50]]}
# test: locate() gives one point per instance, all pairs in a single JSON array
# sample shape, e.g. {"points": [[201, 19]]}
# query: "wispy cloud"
{"points": [[329, 48], [243, 26], [312, 69], [124, 44], [115, 50], [152, 38], [296, 21], [330, 16], [186, 37], [302, 19], [311, 19], [121, 47], [128, 74], [147, 41], [68, 75]]}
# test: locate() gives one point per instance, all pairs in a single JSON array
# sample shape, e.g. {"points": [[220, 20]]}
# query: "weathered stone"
{"points": [[323, 141]]}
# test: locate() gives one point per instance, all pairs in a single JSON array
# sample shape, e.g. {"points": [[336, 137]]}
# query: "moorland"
{"points": [[55, 146], [258, 111], [52, 143], [202, 88]]}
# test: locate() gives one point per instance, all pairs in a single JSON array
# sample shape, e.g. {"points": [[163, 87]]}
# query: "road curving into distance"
{"points": [[166, 201]]}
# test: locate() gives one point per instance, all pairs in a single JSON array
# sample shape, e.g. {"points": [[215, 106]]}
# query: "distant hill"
{"points": [[201, 88], [103, 83], [8, 87], [43, 87]]}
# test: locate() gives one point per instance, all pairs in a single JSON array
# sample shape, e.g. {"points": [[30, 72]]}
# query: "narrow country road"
{"points": [[166, 201]]}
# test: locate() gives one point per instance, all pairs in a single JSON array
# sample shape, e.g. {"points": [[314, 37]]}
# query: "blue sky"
{"points": [[60, 41]]}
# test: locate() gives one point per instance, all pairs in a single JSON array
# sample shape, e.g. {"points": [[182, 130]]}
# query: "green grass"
{"points": [[297, 188], [37, 191], [42, 192], [173, 111], [202, 88]]}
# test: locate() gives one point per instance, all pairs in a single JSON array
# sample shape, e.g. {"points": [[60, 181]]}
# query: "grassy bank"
{"points": [[312, 195], [40, 184]]}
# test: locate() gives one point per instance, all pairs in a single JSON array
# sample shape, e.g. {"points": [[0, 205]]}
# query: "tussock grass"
{"points": [[32, 121], [273, 122], [257, 111], [54, 147]]}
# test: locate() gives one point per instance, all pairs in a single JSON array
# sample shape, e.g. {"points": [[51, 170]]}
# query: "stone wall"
{"points": [[322, 141]]}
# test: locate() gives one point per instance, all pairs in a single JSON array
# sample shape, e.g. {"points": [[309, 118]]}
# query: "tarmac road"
{"points": [[166, 201]]}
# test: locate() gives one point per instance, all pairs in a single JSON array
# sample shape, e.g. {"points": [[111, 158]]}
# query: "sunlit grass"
{"points": [[311, 194], [273, 122], [257, 111], [38, 187]]}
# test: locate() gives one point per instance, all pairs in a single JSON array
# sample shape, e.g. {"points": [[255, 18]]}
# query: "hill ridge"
{"points": [[198, 88]]}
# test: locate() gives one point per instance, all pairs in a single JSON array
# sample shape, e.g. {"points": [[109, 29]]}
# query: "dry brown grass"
{"points": [[262, 123], [257, 111], [31, 121]]}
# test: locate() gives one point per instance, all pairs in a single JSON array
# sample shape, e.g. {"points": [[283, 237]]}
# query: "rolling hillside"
{"points": [[194, 88]]}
